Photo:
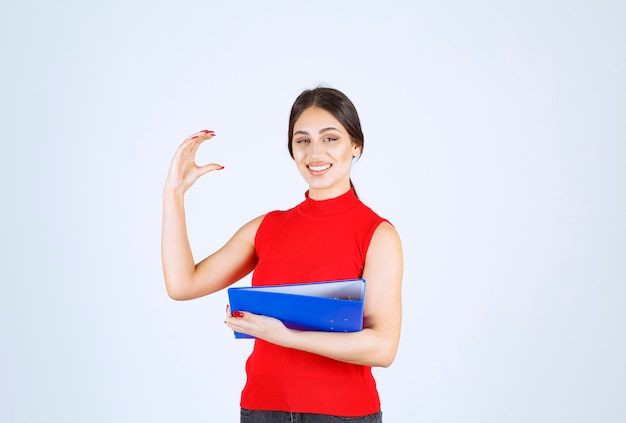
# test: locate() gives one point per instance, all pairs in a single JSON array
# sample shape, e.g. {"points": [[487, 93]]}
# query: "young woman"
{"points": [[300, 375]]}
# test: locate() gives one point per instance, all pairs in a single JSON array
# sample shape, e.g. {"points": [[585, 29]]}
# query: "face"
{"points": [[323, 151]]}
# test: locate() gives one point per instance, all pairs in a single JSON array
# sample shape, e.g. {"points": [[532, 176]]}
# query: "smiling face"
{"points": [[323, 151]]}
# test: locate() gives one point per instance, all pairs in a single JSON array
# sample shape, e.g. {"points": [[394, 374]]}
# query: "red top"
{"points": [[312, 242]]}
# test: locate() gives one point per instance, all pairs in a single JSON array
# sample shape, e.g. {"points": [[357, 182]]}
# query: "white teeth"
{"points": [[319, 168]]}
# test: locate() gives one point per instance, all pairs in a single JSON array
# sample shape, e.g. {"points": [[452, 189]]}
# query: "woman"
{"points": [[300, 375]]}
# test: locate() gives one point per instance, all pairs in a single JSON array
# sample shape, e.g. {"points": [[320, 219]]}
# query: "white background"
{"points": [[495, 138]]}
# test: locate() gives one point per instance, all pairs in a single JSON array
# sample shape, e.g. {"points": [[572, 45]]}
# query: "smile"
{"points": [[319, 168]]}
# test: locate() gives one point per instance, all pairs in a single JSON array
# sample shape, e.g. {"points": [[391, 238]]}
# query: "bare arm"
{"points": [[377, 343], [183, 278]]}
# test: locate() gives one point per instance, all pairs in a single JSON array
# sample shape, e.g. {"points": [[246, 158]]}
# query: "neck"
{"points": [[320, 194]]}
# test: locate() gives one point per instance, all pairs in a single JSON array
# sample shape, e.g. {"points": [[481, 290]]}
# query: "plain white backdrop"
{"points": [[495, 138]]}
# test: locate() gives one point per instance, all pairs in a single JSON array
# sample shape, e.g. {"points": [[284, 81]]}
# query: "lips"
{"points": [[319, 168]]}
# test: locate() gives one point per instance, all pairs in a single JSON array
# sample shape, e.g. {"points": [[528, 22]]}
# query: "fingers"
{"points": [[191, 143], [263, 327], [238, 320], [203, 135], [236, 314], [203, 170], [186, 152], [183, 170]]}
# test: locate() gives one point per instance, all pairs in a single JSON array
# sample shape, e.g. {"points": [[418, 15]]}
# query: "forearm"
{"points": [[176, 255], [367, 347]]}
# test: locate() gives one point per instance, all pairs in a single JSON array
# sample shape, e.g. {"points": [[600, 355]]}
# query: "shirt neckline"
{"points": [[329, 207]]}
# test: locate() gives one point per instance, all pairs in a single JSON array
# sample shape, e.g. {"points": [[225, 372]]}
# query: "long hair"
{"points": [[334, 102]]}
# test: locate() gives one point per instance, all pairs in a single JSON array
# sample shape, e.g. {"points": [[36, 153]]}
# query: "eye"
{"points": [[329, 139], [302, 141]]}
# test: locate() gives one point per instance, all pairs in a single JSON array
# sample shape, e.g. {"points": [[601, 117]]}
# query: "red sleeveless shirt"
{"points": [[314, 241]]}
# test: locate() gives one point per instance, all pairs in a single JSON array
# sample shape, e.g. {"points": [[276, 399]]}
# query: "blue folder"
{"points": [[335, 306]]}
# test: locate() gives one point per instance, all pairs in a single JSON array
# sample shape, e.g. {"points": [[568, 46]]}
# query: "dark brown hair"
{"points": [[334, 102]]}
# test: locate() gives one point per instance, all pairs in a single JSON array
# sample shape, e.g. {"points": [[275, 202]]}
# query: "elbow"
{"points": [[386, 354], [176, 296], [175, 293], [386, 360], [382, 348]]}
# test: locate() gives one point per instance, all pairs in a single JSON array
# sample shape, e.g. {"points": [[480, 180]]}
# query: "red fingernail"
{"points": [[237, 313], [194, 137], [220, 168]]}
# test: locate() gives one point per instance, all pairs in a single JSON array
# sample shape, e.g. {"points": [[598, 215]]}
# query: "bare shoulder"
{"points": [[254, 224], [385, 236], [384, 260], [248, 231]]}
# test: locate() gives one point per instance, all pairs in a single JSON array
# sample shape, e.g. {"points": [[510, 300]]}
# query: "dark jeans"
{"points": [[260, 416]]}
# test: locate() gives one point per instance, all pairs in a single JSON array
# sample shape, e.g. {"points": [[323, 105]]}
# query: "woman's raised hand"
{"points": [[183, 170]]}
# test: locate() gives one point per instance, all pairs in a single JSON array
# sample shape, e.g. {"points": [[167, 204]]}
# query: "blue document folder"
{"points": [[335, 306]]}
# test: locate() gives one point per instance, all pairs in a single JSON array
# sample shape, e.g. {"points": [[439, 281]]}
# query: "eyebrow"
{"points": [[330, 128]]}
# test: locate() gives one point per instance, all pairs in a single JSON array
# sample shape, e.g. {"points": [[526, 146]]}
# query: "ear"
{"points": [[356, 151]]}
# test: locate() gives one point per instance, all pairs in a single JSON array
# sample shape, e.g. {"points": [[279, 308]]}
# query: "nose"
{"points": [[317, 148]]}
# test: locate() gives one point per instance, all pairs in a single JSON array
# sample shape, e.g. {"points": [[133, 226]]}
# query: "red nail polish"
{"points": [[237, 313], [194, 137], [220, 168]]}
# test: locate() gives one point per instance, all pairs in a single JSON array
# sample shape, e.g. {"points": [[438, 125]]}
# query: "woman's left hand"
{"points": [[267, 328]]}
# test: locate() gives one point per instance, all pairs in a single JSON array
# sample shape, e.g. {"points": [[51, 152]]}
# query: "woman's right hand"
{"points": [[183, 170]]}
